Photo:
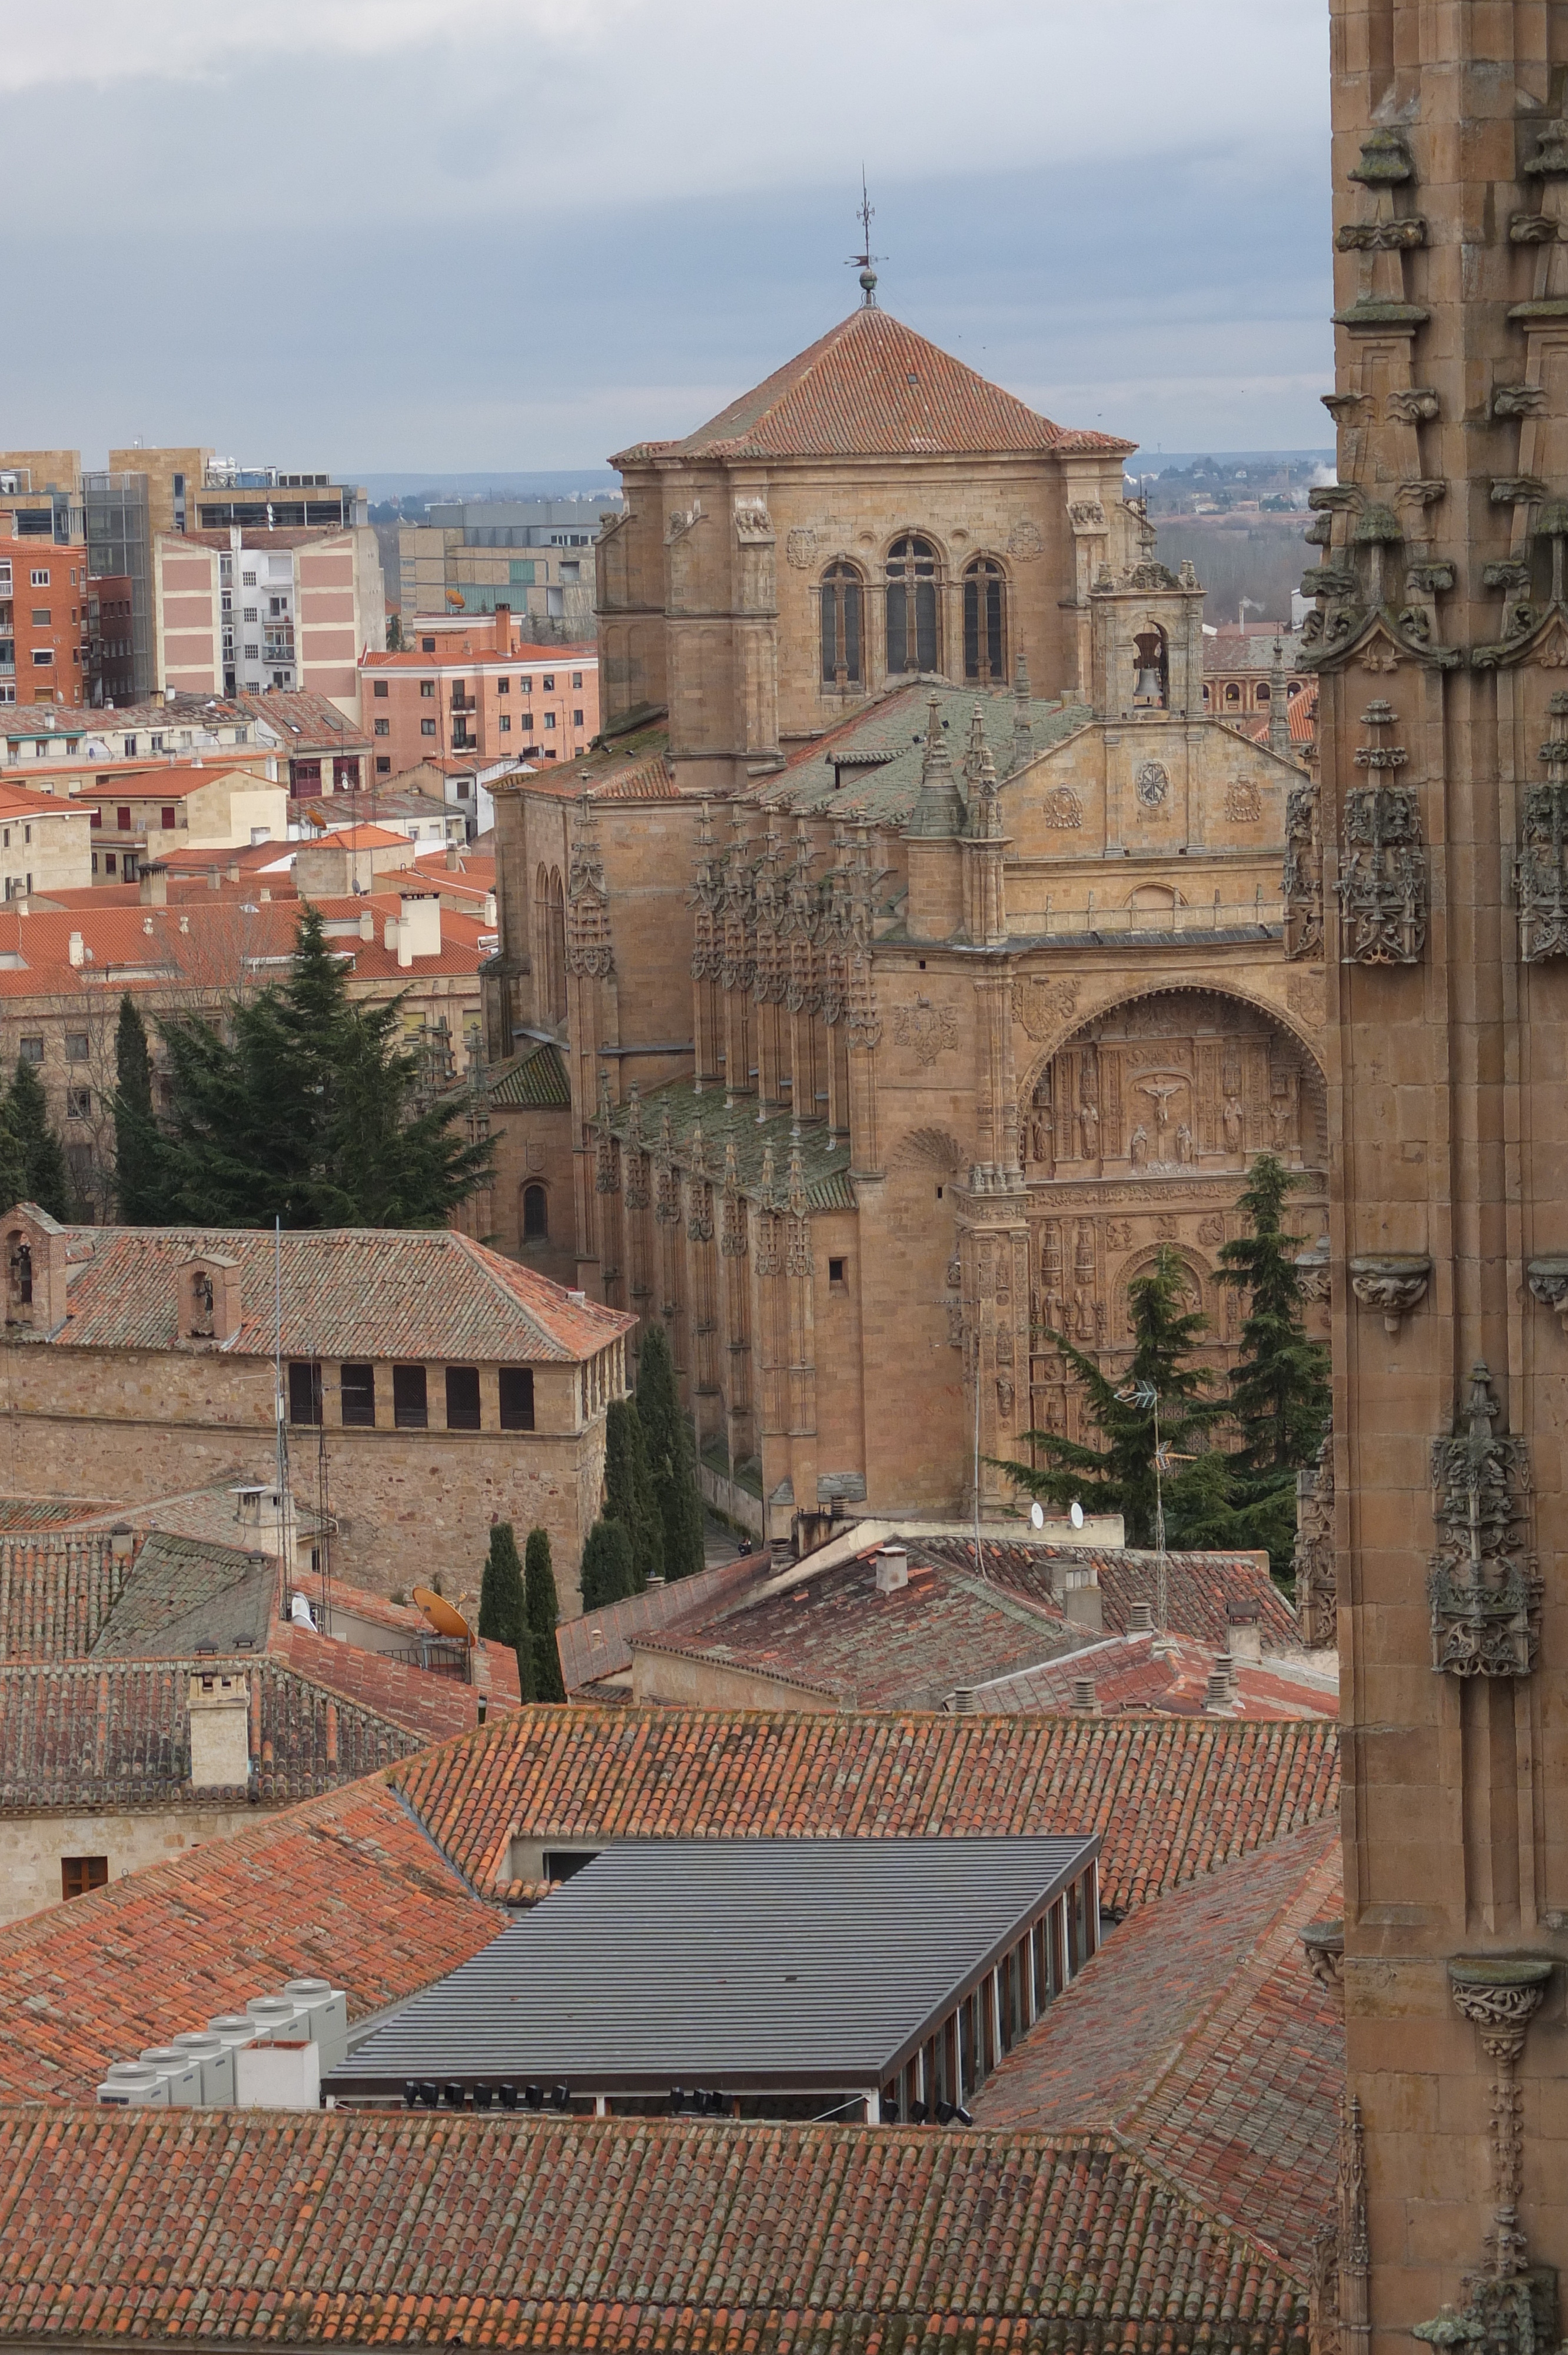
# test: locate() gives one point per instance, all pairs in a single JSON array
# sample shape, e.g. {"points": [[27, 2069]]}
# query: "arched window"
{"points": [[841, 610], [550, 946], [1264, 696], [535, 1215], [914, 640], [985, 620], [1233, 695], [1151, 669]]}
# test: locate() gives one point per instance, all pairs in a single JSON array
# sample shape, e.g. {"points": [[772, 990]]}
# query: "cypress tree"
{"points": [[669, 1455], [606, 1574], [543, 1609], [45, 1178], [628, 1496], [138, 1184], [1120, 1476], [503, 1618]]}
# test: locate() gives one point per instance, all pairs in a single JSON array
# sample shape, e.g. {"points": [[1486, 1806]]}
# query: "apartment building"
{"points": [[44, 628], [182, 806], [45, 844], [479, 690], [243, 608], [533, 555], [41, 495]]}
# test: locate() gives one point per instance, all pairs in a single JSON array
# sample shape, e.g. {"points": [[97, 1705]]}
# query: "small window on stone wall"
{"points": [[305, 1392], [516, 1398], [80, 1873], [356, 1389], [841, 611], [535, 1215], [462, 1398], [409, 1410]]}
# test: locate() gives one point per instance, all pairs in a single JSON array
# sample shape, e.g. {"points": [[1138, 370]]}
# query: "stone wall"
{"points": [[32, 1848]]}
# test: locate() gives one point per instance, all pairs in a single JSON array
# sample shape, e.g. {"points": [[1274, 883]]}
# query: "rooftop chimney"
{"points": [[368, 923], [1086, 1699], [892, 1568], [154, 887], [1140, 1619], [1221, 1689], [503, 629], [1245, 1635], [76, 949], [964, 1704], [220, 1732]]}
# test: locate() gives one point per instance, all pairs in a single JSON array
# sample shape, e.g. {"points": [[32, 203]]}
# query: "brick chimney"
{"points": [[220, 1732]]}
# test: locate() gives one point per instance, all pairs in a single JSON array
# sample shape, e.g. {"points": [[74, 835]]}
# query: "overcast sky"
{"points": [[388, 234]]}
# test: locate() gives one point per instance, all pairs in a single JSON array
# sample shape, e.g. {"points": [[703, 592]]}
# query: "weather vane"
{"points": [[866, 216]]}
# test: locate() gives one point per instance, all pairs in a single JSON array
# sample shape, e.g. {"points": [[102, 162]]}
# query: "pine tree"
{"points": [[137, 1155], [306, 1113], [45, 1178], [1280, 1385], [393, 633], [543, 1609], [606, 1574], [502, 1615], [628, 1496], [669, 1455], [1120, 1476]]}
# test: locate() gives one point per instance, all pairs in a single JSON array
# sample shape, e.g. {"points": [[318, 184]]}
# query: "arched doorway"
{"points": [[1139, 1132]]}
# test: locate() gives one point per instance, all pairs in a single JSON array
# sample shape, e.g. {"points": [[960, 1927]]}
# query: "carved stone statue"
{"points": [[1083, 1314], [1183, 1144], [1233, 1125], [1137, 1148], [1089, 1127]]}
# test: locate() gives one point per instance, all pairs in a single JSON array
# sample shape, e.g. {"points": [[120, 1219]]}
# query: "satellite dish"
{"points": [[1075, 1514], [1037, 1514], [441, 1617]]}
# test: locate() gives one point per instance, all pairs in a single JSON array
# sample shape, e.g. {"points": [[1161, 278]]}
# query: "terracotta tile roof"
{"points": [[1173, 1797], [833, 1634], [598, 1644], [1128, 1674], [537, 1080], [871, 765], [56, 1590], [16, 802], [114, 1734], [347, 1291], [183, 1592], [1201, 1589], [306, 722], [1199, 2038], [48, 1512], [872, 386], [170, 783], [221, 2226], [344, 1887]]}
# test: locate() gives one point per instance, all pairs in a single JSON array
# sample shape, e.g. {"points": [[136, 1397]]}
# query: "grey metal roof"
{"points": [[728, 1964]]}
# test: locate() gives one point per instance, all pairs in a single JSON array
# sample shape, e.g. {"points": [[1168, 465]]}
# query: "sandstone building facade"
{"points": [[1440, 636], [907, 1007], [430, 1387]]}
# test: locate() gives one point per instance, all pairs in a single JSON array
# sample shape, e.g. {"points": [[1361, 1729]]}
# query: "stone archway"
{"points": [[1138, 1130]]}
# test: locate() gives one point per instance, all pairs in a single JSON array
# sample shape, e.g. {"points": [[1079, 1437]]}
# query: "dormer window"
{"points": [[201, 1306]]}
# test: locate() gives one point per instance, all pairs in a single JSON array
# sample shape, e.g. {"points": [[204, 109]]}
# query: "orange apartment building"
{"points": [[44, 634], [479, 690]]}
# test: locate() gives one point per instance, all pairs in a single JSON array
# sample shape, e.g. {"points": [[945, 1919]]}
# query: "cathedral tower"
{"points": [[1441, 635]]}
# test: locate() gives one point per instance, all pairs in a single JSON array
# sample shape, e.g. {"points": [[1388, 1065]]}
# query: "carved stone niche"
{"points": [[1548, 1283], [1392, 1282], [1324, 1944]]}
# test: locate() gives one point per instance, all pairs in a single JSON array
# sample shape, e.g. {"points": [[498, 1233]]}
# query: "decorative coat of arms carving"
{"points": [[1041, 1007], [931, 1030], [1244, 803], [1062, 808], [1023, 541], [1152, 784], [799, 547]]}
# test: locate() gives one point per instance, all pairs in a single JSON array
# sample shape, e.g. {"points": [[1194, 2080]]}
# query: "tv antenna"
{"points": [[865, 214]]}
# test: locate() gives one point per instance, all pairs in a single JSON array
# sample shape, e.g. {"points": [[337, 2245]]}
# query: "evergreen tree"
{"points": [[543, 1609], [1120, 1476], [669, 1443], [13, 1164], [606, 1575], [1280, 1385], [393, 633], [306, 1112], [628, 1496], [137, 1148], [45, 1178], [502, 1615]]}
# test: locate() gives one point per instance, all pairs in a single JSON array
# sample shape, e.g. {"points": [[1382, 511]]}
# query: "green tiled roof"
{"points": [[535, 1080], [824, 1159], [891, 740]]}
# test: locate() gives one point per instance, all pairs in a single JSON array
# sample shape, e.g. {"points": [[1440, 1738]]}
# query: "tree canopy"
{"points": [[628, 1494], [138, 1158], [502, 1613], [543, 1607], [305, 1108], [606, 1574]]}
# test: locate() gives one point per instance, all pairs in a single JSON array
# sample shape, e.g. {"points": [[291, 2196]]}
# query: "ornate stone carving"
{"points": [[1511, 2308], [590, 949], [1041, 1007], [1062, 808], [753, 524], [1393, 1282], [1483, 1584], [1413, 404], [1324, 1943], [1382, 879], [1540, 870], [1244, 803], [1314, 1561], [1549, 1283], [799, 547], [930, 1030], [1152, 784], [1023, 541], [1086, 515], [606, 1154], [1303, 994]]}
